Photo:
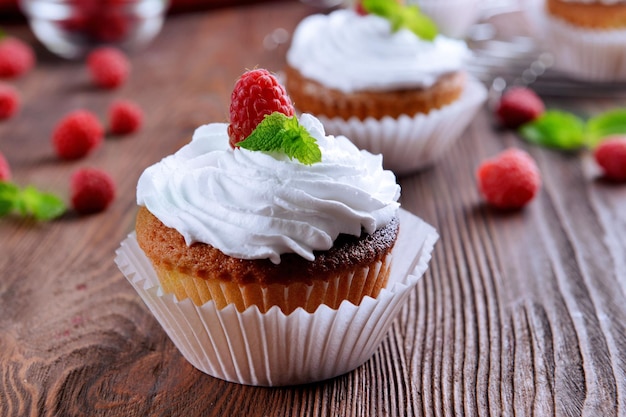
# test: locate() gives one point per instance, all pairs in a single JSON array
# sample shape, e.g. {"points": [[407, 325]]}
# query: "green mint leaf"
{"points": [[279, 133], [402, 16], [9, 194], [555, 129], [29, 202], [606, 124], [42, 206]]}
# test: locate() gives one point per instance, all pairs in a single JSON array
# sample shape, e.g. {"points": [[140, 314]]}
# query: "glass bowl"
{"points": [[72, 28]]}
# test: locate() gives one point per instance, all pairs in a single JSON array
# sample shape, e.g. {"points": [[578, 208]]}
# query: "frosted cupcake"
{"points": [[586, 37], [287, 231], [390, 91]]}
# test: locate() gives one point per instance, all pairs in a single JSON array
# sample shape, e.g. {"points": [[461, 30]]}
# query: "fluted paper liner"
{"points": [[274, 349], [409, 144], [580, 53]]}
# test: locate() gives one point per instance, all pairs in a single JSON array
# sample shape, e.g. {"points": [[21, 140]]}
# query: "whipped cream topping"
{"points": [[255, 205], [349, 52]]}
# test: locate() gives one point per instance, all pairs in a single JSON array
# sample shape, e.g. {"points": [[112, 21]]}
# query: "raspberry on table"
{"points": [[92, 190], [125, 117], [610, 155], [108, 66], [519, 105], [10, 101], [77, 134], [256, 94], [5, 169], [510, 180], [16, 57]]}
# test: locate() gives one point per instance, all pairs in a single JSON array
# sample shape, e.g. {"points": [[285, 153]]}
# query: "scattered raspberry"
{"points": [[16, 57], [256, 94], [9, 101], [92, 190], [125, 117], [77, 134], [109, 67], [611, 156], [510, 180], [519, 105], [5, 169]]}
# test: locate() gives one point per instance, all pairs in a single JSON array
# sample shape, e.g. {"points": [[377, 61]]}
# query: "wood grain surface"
{"points": [[520, 313]]}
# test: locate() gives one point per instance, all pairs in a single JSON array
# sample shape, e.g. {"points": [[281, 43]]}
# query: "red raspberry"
{"points": [[77, 134], [360, 9], [16, 57], [125, 117], [256, 94], [92, 190], [611, 156], [109, 67], [109, 25], [9, 101], [510, 180], [519, 105], [5, 169]]}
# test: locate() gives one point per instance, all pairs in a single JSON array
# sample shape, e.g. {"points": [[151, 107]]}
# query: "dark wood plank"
{"points": [[519, 314]]}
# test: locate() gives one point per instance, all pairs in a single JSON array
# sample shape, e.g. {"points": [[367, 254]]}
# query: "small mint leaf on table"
{"points": [[280, 133], [555, 129], [403, 16], [29, 202], [606, 124], [9, 194], [42, 206]]}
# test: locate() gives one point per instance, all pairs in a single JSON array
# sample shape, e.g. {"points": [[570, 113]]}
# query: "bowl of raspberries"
{"points": [[72, 28]]}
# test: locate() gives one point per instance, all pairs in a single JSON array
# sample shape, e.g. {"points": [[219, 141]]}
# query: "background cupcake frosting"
{"points": [[350, 52]]}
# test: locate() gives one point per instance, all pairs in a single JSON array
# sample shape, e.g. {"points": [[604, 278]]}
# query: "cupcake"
{"points": [[256, 228], [586, 37], [590, 14], [401, 93], [290, 230]]}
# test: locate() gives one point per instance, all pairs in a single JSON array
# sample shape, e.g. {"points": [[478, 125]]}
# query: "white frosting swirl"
{"points": [[349, 52], [254, 205]]}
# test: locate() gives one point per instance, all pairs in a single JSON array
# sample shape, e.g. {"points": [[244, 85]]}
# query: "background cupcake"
{"points": [[586, 37], [393, 92]]}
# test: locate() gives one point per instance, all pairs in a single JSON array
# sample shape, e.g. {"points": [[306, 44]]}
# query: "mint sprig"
{"points": [[29, 202], [563, 130], [280, 133], [606, 124], [403, 16], [555, 129]]}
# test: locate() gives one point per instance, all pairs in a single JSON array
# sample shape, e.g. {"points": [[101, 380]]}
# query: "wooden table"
{"points": [[520, 313]]}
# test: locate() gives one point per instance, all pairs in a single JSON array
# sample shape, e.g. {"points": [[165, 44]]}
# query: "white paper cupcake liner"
{"points": [[453, 17], [274, 349], [409, 144], [584, 54]]}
